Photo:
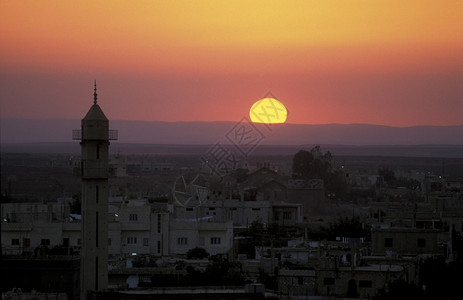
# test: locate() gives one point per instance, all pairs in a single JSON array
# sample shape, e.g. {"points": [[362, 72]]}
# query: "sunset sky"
{"points": [[397, 63]]}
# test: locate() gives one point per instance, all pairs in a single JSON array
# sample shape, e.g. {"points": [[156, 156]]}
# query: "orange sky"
{"points": [[386, 62]]}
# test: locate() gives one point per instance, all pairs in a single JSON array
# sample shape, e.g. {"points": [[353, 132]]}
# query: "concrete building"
{"points": [[138, 227], [27, 226], [333, 269], [405, 241]]}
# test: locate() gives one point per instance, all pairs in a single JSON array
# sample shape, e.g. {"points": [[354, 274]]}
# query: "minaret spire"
{"points": [[95, 95]]}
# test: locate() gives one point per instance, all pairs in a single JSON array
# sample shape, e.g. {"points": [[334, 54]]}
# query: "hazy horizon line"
{"points": [[229, 121]]}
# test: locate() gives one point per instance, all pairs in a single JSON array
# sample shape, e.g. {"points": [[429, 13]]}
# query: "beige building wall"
{"points": [[214, 237], [405, 241]]}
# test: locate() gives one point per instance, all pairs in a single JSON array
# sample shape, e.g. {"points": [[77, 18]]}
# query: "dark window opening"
{"points": [[365, 283], [286, 215], [132, 240], [421, 243], [215, 241], [388, 242], [328, 281]]}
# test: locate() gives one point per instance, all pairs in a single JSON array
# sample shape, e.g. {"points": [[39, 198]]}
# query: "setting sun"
{"points": [[268, 111]]}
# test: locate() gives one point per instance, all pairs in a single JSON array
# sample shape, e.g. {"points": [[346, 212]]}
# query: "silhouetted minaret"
{"points": [[94, 136]]}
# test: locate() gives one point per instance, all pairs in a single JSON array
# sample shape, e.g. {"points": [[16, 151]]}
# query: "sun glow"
{"points": [[268, 111]]}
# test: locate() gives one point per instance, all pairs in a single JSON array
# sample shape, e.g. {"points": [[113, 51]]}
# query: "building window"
{"points": [[421, 243], [26, 242], [328, 281], [189, 209], [15, 242], [182, 241], [133, 217], [145, 242], [159, 247], [365, 283], [300, 280], [45, 242], [159, 223], [388, 242], [215, 241], [96, 230], [109, 241], [286, 215], [131, 240], [79, 242], [66, 242], [211, 208], [256, 208]]}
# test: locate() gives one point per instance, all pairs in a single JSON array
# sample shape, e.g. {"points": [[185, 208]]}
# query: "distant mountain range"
{"points": [[200, 133]]}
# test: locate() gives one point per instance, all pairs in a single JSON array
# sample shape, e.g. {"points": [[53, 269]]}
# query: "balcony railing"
{"points": [[112, 134], [76, 134]]}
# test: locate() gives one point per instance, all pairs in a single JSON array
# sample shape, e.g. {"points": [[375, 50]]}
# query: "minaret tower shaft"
{"points": [[94, 136]]}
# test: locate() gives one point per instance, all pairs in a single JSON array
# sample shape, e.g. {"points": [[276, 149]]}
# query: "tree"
{"points": [[315, 164], [387, 174], [400, 289], [312, 164], [197, 252]]}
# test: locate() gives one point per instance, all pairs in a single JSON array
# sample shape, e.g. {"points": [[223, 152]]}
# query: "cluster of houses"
{"points": [[402, 233]]}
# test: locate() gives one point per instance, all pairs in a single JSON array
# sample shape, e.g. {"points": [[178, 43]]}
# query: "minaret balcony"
{"points": [[111, 135]]}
